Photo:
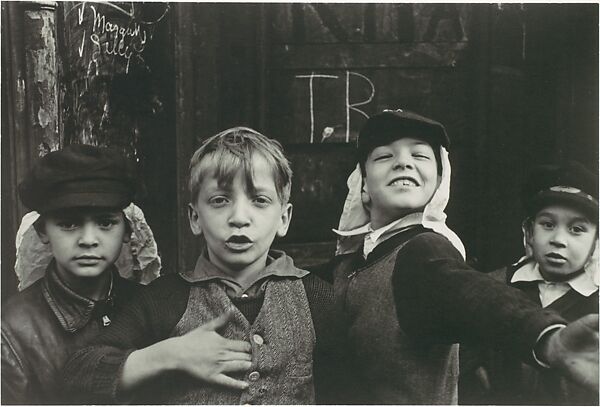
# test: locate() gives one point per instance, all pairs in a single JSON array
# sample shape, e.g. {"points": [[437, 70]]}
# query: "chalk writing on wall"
{"points": [[111, 87], [111, 30], [349, 105]]}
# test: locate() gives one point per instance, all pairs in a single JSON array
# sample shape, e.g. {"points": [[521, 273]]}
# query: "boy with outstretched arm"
{"points": [[404, 290], [244, 325], [559, 271], [72, 241]]}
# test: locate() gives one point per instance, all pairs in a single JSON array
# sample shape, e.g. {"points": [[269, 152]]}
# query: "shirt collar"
{"points": [[530, 271], [72, 310], [373, 237], [278, 264]]}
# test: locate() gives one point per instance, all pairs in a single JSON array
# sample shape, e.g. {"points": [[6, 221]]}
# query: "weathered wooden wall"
{"points": [[515, 84]]}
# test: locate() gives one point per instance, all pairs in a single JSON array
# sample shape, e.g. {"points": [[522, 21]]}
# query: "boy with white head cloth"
{"points": [[402, 286]]}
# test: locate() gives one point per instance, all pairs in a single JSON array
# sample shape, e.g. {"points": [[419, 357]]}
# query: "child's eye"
{"points": [[546, 224], [107, 223], [578, 229], [422, 156], [218, 201], [262, 200], [382, 157], [67, 224]]}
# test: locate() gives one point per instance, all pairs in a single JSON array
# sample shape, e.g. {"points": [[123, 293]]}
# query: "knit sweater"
{"points": [[154, 316], [408, 303]]}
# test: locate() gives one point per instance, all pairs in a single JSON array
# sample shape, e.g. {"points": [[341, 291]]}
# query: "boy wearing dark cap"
{"points": [[80, 193], [404, 289], [559, 271]]}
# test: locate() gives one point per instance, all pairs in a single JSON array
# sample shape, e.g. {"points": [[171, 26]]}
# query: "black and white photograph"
{"points": [[339, 203]]}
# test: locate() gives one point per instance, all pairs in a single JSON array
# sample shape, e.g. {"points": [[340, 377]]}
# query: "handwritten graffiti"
{"points": [[124, 34], [349, 106]]}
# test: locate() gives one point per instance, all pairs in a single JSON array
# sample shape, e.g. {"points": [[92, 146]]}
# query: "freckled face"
{"points": [[562, 240], [401, 178], [239, 226], [84, 243]]}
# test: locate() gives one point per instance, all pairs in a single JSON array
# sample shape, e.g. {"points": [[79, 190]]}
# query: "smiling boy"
{"points": [[404, 290], [245, 324]]}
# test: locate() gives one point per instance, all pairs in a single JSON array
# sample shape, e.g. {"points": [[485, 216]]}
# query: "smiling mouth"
{"points": [[238, 243], [404, 182]]}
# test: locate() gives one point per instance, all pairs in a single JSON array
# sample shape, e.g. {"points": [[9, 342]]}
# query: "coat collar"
{"points": [[72, 310]]}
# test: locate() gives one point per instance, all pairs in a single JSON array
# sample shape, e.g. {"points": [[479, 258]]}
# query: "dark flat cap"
{"points": [[569, 184], [79, 176], [391, 125]]}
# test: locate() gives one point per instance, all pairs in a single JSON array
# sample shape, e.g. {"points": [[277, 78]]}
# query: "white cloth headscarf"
{"points": [[139, 260], [355, 216]]}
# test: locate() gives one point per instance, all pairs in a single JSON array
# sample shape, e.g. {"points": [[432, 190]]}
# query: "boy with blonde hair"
{"points": [[244, 324]]}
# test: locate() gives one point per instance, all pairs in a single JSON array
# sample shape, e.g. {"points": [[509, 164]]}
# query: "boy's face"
{"points": [[84, 242], [401, 178], [239, 227], [562, 240]]}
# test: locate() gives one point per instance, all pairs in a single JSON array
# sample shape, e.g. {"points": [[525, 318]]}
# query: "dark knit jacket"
{"points": [[155, 314], [408, 302], [512, 382], [41, 326]]}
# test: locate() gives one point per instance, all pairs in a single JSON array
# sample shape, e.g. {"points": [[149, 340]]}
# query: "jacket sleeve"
{"points": [[15, 380], [439, 298], [93, 373]]}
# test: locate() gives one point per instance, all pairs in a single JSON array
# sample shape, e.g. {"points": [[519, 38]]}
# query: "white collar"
{"points": [[530, 271]]}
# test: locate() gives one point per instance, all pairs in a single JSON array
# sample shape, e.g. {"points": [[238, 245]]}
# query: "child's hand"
{"points": [[202, 353], [574, 351], [206, 355]]}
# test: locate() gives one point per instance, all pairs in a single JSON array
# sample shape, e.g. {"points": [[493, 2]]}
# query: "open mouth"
{"points": [[404, 182], [556, 258], [238, 243]]}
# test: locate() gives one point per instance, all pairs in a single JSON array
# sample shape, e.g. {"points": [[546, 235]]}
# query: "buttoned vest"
{"points": [[391, 367], [282, 339]]}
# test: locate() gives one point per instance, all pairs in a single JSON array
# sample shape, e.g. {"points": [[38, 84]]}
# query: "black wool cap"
{"points": [[390, 125], [570, 184], [79, 176]]}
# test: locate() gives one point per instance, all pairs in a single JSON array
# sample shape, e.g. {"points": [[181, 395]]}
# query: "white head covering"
{"points": [[355, 216], [139, 260]]}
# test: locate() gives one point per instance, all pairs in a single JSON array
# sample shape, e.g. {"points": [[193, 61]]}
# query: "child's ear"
{"points": [[527, 227], [194, 219], [364, 195], [40, 229], [286, 217]]}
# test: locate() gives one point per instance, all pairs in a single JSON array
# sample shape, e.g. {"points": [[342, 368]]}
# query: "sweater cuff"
{"points": [[551, 328]]}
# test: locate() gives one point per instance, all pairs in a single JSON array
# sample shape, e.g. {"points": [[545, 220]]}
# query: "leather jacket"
{"points": [[41, 326]]}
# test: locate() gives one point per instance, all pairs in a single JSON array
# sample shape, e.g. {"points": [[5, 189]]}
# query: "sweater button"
{"points": [[254, 376], [258, 339]]}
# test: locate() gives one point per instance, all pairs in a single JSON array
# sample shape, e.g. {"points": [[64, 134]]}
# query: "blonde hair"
{"points": [[225, 153]]}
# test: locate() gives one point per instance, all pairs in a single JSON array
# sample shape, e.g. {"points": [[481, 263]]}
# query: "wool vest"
{"points": [[282, 339], [391, 367]]}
